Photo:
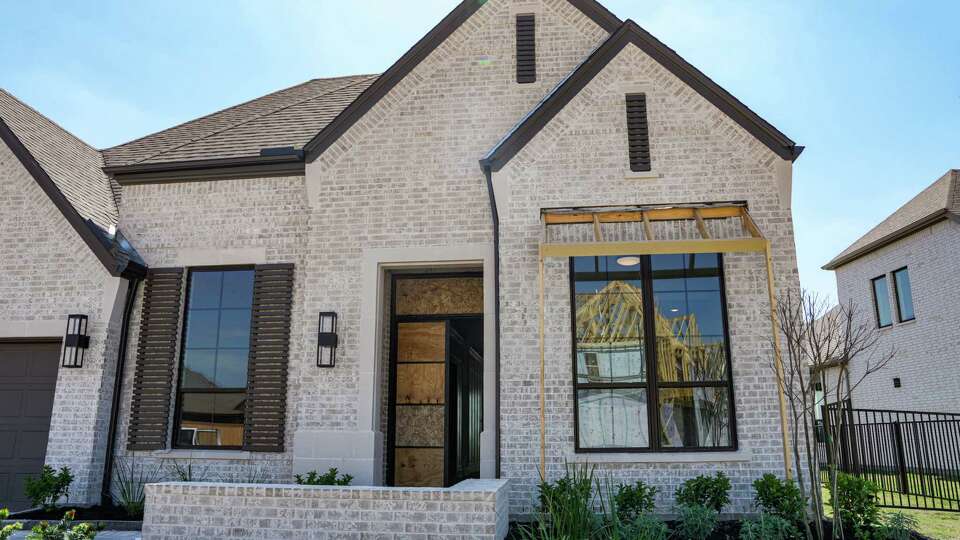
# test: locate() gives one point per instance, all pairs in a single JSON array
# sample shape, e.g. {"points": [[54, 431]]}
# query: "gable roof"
{"points": [[412, 58], [630, 32], [73, 165], [939, 201], [286, 118], [69, 172]]}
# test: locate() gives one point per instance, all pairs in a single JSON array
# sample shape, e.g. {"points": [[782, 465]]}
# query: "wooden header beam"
{"points": [[653, 214], [599, 249]]}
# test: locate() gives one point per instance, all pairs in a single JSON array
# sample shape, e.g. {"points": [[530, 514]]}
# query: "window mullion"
{"points": [[650, 348]]}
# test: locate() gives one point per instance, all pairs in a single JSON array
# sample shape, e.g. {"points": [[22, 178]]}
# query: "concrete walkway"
{"points": [[103, 535]]}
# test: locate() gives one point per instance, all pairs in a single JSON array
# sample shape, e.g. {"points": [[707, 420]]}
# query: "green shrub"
{"points": [[64, 529], [646, 527], [129, 480], [696, 522], [328, 478], [709, 491], [49, 487], [769, 527], [7, 530], [898, 526], [187, 473], [566, 506], [780, 498], [632, 501], [856, 504]]}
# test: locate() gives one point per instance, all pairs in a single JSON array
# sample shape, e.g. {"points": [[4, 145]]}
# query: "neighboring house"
{"points": [[903, 274], [483, 241]]}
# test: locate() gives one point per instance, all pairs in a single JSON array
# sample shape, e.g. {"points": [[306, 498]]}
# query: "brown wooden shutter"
{"points": [[156, 355], [638, 136], [266, 407], [526, 49]]}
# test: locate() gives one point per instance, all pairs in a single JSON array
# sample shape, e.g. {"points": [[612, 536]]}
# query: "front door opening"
{"points": [[436, 379]]}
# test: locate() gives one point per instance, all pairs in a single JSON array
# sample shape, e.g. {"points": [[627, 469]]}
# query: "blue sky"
{"points": [[872, 89]]}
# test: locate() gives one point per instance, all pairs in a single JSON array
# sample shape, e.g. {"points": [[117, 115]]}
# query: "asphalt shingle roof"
{"points": [[73, 165], [288, 117], [942, 195]]}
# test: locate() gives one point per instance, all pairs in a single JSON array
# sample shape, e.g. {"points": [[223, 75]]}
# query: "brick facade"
{"points": [[926, 347]]}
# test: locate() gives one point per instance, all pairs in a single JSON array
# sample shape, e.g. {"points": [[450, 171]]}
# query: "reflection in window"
{"points": [[213, 372], [881, 301], [901, 283], [618, 301]]}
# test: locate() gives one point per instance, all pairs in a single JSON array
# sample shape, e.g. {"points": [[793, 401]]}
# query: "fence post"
{"points": [[901, 458]]}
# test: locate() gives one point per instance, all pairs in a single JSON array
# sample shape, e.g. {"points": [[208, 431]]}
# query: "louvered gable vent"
{"points": [[638, 136], [156, 354], [526, 49]]}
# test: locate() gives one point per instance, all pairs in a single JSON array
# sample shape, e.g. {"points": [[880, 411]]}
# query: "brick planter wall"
{"points": [[189, 510]]}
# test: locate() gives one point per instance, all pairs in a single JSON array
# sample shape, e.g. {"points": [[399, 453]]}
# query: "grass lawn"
{"points": [[939, 525]]}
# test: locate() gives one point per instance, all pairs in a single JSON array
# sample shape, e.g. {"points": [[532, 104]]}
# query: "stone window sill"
{"points": [[640, 175], [181, 453], [661, 457]]}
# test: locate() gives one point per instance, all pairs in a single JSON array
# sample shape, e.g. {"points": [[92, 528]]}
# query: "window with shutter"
{"points": [[638, 137], [526, 49], [266, 405], [156, 350]]}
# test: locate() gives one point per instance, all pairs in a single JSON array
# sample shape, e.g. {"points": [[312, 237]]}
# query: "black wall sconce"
{"points": [[327, 340], [75, 342]]}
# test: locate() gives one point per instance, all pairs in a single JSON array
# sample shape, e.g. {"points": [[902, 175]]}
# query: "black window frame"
{"points": [[178, 390], [651, 384], [876, 300], [896, 295]]}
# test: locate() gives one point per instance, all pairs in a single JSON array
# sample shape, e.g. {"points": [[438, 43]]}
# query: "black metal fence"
{"points": [[914, 457]]}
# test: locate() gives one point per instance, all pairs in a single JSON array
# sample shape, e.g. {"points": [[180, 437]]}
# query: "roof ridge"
{"points": [[258, 116], [53, 122], [219, 111]]}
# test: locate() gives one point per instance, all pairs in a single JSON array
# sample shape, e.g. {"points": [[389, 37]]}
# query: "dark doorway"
{"points": [[26, 403], [436, 380]]}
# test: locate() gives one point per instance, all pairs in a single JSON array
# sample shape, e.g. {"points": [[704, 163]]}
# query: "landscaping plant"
{"points": [[328, 478], [855, 503], [709, 491], [255, 474], [782, 498], [7, 530], [130, 479], [898, 526], [633, 500], [46, 489], [186, 473], [64, 529], [769, 527], [645, 527], [696, 522]]}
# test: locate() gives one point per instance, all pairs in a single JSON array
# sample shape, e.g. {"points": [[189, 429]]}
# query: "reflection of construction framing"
{"points": [[714, 234]]}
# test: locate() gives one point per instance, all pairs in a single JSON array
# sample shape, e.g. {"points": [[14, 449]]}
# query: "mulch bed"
{"points": [[113, 518]]}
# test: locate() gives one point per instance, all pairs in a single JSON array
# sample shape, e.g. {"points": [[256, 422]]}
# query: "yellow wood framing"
{"points": [[756, 243]]}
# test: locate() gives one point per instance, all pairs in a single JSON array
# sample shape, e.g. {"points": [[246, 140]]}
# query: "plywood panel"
{"points": [[439, 296], [420, 383], [421, 341], [422, 467]]}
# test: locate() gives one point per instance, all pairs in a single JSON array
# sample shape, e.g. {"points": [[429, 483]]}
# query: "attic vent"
{"points": [[638, 136], [526, 49]]}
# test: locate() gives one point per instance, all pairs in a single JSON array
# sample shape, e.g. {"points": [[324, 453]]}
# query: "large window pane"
{"points": [[213, 375], [881, 301], [694, 417], [613, 418], [901, 280]]}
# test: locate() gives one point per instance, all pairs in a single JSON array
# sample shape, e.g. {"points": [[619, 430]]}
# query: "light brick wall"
{"points": [[46, 273], [926, 348], [185, 511], [580, 159]]}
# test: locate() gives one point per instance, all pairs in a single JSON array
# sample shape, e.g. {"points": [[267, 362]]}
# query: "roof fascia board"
{"points": [[59, 200], [900, 233], [412, 58], [222, 171], [630, 32]]}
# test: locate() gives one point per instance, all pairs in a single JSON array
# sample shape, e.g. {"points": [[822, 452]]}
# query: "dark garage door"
{"points": [[28, 376]]}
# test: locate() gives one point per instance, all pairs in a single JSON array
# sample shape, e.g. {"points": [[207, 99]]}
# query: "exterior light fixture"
{"points": [[75, 342], [327, 340], [628, 261]]}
